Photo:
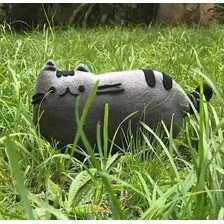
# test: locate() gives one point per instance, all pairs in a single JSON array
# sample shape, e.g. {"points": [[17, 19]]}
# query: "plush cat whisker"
{"points": [[37, 98]]}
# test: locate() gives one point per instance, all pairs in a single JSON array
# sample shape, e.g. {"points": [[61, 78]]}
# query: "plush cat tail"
{"points": [[49, 65], [195, 96]]}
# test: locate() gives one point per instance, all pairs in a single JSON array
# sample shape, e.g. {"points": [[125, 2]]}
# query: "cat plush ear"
{"points": [[49, 66], [82, 68]]}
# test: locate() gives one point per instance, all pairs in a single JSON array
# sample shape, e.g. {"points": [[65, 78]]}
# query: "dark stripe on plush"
{"points": [[167, 81], [149, 77], [64, 73], [111, 91], [108, 86]]}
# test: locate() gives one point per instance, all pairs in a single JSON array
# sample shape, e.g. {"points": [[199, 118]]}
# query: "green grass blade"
{"points": [[105, 132], [23, 192], [45, 206]]}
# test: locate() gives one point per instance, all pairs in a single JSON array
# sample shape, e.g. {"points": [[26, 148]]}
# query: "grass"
{"points": [[182, 180]]}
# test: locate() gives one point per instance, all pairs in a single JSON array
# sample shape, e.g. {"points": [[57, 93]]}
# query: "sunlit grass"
{"points": [[181, 180]]}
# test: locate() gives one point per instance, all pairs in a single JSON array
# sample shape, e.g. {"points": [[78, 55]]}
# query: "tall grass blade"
{"points": [[105, 132], [45, 206], [22, 190]]}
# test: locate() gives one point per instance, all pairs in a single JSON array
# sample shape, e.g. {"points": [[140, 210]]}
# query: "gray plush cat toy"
{"points": [[153, 94]]}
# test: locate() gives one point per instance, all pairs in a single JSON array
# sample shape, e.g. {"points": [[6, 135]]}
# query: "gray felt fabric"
{"points": [[125, 92]]}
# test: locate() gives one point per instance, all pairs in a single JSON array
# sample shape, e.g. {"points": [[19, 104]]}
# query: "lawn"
{"points": [[181, 180]]}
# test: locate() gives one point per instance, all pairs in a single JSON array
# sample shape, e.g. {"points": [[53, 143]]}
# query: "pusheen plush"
{"points": [[153, 95]]}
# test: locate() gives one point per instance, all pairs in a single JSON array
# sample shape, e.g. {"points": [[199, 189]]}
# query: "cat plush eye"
{"points": [[52, 89]]}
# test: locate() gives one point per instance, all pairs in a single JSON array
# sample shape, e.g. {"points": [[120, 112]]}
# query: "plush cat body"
{"points": [[153, 95]]}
